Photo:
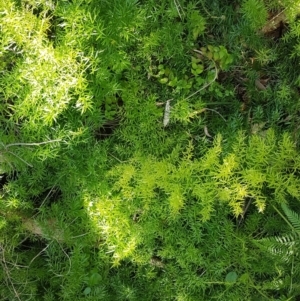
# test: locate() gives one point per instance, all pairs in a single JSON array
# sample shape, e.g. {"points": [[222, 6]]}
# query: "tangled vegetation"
{"points": [[149, 150]]}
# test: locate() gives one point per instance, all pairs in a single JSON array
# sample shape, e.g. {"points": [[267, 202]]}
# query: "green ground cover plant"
{"points": [[149, 150]]}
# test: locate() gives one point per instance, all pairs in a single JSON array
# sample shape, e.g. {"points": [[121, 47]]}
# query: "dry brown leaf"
{"points": [[274, 23], [155, 261], [259, 85], [257, 127], [206, 132]]}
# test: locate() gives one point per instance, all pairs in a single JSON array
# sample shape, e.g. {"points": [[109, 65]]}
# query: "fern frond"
{"points": [[288, 240], [292, 216], [283, 247], [278, 243]]}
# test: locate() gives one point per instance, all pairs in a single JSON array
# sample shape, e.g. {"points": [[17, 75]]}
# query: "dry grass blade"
{"points": [[167, 113]]}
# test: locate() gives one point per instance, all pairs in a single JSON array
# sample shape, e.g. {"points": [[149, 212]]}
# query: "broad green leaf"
{"points": [[163, 80], [87, 291], [231, 277]]}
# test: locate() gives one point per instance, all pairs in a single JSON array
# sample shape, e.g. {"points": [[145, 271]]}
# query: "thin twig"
{"points": [[20, 158], [84, 234], [24, 144], [216, 112], [32, 144], [44, 200], [36, 256], [17, 265], [178, 7], [67, 257], [8, 275], [283, 217], [117, 159], [292, 272]]}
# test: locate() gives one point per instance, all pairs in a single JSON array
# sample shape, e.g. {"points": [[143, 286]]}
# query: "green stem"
{"points": [[283, 217]]}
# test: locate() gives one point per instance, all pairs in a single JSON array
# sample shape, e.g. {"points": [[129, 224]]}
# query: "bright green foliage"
{"points": [[145, 147], [186, 186], [255, 13]]}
